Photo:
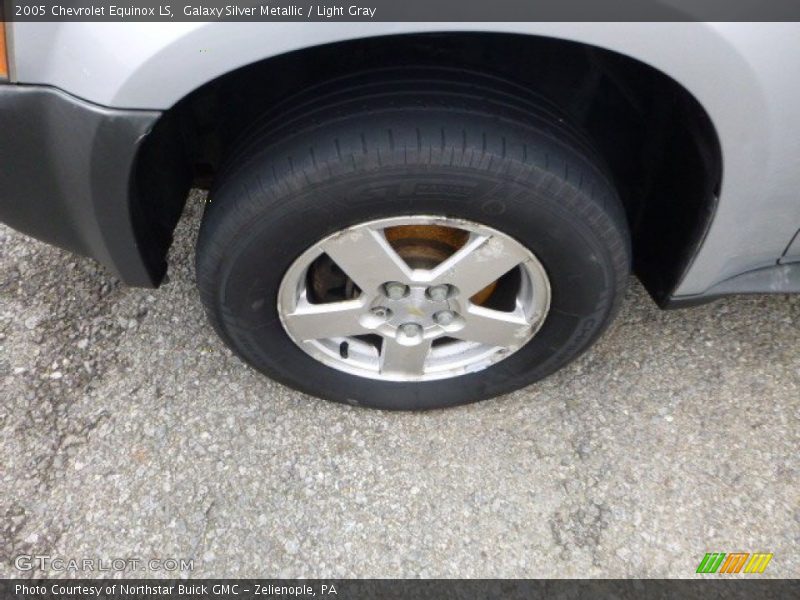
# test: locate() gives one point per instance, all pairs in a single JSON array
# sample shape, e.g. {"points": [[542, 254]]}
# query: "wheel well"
{"points": [[658, 141]]}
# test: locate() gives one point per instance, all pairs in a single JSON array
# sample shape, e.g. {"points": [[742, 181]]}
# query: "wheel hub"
{"points": [[417, 308]]}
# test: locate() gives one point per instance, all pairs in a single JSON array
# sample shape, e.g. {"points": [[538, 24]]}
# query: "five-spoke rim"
{"points": [[473, 304]]}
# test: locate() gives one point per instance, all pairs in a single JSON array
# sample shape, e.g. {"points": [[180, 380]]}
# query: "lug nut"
{"points": [[444, 317], [395, 290], [410, 330], [381, 312], [438, 293]]}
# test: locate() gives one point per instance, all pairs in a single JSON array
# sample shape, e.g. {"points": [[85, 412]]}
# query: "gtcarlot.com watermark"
{"points": [[32, 562]]}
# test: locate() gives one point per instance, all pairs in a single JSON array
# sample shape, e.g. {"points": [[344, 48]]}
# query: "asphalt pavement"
{"points": [[127, 430]]}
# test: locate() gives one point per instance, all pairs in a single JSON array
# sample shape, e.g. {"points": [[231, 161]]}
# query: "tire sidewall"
{"points": [[570, 238]]}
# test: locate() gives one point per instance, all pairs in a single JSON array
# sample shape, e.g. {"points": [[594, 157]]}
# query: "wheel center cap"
{"points": [[416, 307]]}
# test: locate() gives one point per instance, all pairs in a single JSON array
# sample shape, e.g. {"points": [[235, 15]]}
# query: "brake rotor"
{"points": [[420, 246], [427, 246]]}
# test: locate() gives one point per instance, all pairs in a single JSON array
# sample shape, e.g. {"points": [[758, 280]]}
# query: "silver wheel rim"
{"points": [[405, 323]]}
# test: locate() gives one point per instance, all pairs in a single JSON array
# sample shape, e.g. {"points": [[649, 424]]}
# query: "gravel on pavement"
{"points": [[129, 430]]}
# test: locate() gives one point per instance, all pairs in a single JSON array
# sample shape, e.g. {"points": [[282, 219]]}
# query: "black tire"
{"points": [[422, 142]]}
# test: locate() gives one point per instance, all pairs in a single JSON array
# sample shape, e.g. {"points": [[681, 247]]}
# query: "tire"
{"points": [[405, 143]]}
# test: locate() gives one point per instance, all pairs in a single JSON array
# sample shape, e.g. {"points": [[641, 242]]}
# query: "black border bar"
{"points": [[701, 587], [401, 10]]}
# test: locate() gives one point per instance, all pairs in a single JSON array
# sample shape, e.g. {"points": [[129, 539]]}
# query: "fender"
{"points": [[743, 74]]}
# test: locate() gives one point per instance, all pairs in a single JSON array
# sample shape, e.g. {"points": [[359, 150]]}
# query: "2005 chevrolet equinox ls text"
{"points": [[415, 215]]}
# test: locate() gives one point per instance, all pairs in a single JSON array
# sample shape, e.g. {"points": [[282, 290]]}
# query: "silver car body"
{"points": [[745, 75]]}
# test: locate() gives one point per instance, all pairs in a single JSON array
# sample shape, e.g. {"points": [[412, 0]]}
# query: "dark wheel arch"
{"points": [[628, 108]]}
